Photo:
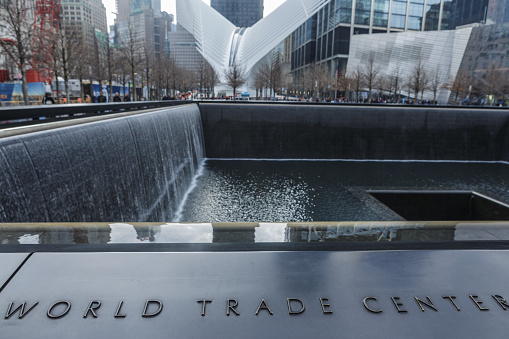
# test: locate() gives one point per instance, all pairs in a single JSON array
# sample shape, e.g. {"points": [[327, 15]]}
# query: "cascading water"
{"points": [[134, 168]]}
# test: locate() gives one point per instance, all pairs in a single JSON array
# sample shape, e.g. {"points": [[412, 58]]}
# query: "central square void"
{"points": [[442, 205]]}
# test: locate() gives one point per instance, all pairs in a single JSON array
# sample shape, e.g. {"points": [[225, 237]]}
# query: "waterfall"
{"points": [[131, 168]]}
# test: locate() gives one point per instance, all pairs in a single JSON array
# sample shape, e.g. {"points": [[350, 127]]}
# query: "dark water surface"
{"points": [[297, 191]]}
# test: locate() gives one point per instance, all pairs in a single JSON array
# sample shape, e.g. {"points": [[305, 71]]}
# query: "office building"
{"points": [[498, 11], [84, 17], [143, 22], [241, 13], [183, 49], [338, 21]]}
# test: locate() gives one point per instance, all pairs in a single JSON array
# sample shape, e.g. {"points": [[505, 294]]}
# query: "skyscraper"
{"points": [[241, 13], [469, 11], [145, 23], [84, 17], [498, 11]]}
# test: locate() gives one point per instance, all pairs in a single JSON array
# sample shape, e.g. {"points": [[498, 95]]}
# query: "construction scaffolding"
{"points": [[46, 30]]}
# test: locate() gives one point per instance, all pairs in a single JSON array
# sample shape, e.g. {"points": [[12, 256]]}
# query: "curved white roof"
{"points": [[221, 43]]}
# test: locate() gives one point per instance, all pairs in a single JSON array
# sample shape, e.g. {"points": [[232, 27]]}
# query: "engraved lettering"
{"points": [[365, 303], [229, 307], [263, 306], [428, 304], [117, 313], [147, 304], [451, 297], [398, 304], [501, 301], [478, 303], [204, 303], [94, 305], [290, 301], [20, 308], [56, 316], [324, 302]]}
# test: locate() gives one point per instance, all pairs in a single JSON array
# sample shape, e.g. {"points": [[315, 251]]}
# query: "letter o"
{"points": [[51, 315]]}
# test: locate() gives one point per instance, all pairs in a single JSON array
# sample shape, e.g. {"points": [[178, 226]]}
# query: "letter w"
{"points": [[20, 308]]}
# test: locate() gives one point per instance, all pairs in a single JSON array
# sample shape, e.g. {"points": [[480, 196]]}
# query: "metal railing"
{"points": [[20, 113]]}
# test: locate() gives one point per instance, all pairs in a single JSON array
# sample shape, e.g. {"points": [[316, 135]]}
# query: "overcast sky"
{"points": [[169, 6]]}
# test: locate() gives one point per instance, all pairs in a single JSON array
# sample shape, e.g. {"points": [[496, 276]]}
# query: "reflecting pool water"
{"points": [[305, 191]]}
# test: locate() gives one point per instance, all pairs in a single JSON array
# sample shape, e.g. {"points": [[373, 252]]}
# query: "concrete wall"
{"points": [[346, 132], [134, 168]]}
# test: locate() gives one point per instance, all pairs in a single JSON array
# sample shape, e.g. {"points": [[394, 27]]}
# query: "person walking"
{"points": [[117, 98], [127, 97]]}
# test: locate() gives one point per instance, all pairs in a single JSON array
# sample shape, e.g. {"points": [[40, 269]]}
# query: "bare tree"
{"points": [[175, 76], [80, 64], [308, 82], [68, 43], [371, 73], [436, 80], [158, 74], [418, 80], [98, 62], [54, 61], [395, 82], [110, 66], [131, 57], [148, 57], [206, 78], [459, 85], [493, 83], [342, 82], [165, 68], [287, 79], [262, 78], [276, 73], [322, 79], [211, 79], [235, 77], [18, 18], [356, 77]]}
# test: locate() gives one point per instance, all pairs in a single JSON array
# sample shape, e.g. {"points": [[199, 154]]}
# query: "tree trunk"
{"points": [[82, 90], [66, 84], [24, 84], [57, 86], [133, 89]]}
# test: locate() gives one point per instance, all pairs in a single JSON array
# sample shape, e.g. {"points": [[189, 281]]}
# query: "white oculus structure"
{"points": [[223, 45]]}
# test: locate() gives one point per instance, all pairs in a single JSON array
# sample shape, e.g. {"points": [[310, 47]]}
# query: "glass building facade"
{"points": [[498, 11], [241, 13], [329, 32]]}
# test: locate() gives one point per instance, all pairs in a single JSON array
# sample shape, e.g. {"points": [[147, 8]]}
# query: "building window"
{"points": [[381, 13], [432, 15], [398, 17], [447, 16], [343, 11], [341, 40], [362, 12], [416, 15], [331, 15]]}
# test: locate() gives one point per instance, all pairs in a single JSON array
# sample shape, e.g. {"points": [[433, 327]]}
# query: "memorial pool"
{"points": [[302, 191]]}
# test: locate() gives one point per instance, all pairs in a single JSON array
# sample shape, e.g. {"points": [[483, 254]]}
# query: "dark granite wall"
{"points": [[138, 168], [345, 132], [134, 168]]}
